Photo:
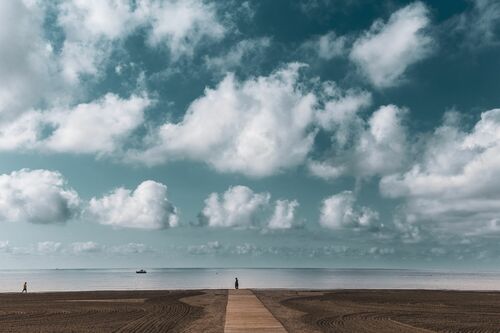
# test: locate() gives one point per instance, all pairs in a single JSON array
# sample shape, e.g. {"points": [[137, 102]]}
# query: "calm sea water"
{"points": [[199, 278]]}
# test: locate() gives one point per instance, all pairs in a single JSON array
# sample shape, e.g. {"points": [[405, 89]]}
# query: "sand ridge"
{"points": [[108, 311], [385, 311]]}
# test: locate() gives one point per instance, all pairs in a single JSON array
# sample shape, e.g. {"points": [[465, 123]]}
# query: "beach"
{"points": [[296, 310]]}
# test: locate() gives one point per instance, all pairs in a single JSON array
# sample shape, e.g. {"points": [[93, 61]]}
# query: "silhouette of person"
{"points": [[236, 284], [25, 288]]}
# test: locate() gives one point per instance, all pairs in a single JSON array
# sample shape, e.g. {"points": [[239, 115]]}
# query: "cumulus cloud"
{"points": [[37, 196], [98, 127], [26, 61], [146, 207], [257, 127], [239, 206], [455, 185], [377, 146], [385, 51], [284, 214], [339, 211]]}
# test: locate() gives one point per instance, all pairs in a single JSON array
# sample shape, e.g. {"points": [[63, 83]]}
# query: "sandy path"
{"points": [[245, 313]]}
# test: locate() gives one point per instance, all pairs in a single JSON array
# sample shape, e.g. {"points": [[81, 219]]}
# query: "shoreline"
{"points": [[256, 289]]}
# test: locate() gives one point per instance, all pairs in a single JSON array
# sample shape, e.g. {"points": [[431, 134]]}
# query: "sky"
{"points": [[197, 133]]}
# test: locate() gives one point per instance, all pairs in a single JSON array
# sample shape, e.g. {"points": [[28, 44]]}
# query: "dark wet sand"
{"points": [[298, 311]]}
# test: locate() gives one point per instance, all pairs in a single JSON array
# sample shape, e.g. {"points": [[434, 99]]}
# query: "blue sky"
{"points": [[198, 133]]}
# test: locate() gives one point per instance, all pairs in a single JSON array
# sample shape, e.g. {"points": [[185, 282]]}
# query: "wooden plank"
{"points": [[246, 313]]}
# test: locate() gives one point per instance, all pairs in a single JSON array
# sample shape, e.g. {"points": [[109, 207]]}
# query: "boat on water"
{"points": [[141, 271]]}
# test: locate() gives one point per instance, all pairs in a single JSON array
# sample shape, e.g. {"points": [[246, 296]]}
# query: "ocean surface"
{"points": [[200, 278]]}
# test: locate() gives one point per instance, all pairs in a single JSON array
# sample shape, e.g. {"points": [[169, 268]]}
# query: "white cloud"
{"points": [[455, 185], [93, 28], [5, 247], [48, 247], [339, 211], [22, 132], [245, 51], [36, 196], [328, 46], [204, 249], [377, 146], [382, 148], [257, 127], [129, 248], [99, 127], [327, 169], [181, 24], [147, 207], [481, 25], [82, 18], [86, 247], [239, 206], [26, 61], [284, 214], [331, 45], [341, 109], [385, 51]]}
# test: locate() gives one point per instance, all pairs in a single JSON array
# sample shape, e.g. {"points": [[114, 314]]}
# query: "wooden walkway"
{"points": [[246, 313]]}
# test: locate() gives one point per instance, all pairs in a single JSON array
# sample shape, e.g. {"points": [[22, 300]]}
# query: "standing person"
{"points": [[25, 288], [236, 284]]}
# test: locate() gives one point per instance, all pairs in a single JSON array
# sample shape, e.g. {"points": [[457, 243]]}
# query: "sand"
{"points": [[385, 310], [119, 311], [298, 311]]}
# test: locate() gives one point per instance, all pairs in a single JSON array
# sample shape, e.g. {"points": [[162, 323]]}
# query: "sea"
{"points": [[45, 280]]}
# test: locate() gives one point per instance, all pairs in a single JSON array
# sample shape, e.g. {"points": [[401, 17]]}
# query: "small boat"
{"points": [[141, 271]]}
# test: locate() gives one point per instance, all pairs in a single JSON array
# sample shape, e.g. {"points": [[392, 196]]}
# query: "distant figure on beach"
{"points": [[25, 288], [236, 284]]}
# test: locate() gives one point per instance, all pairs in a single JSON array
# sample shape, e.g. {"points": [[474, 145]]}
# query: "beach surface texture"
{"points": [[252, 311]]}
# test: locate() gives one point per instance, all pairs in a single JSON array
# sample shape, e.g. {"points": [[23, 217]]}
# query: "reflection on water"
{"points": [[200, 278]]}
